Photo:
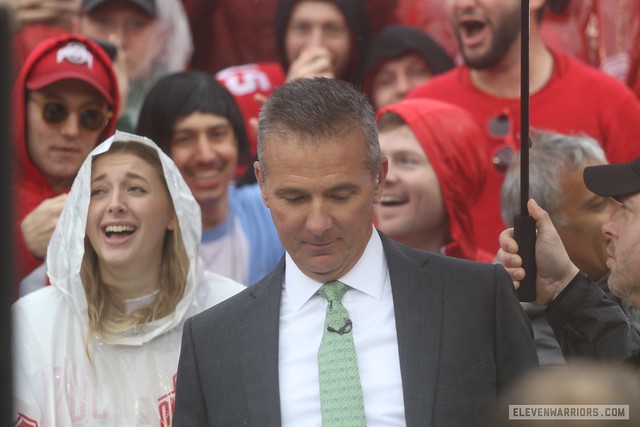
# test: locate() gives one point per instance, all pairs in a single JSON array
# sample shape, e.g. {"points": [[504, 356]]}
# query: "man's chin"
{"points": [[627, 292], [320, 268], [209, 198]]}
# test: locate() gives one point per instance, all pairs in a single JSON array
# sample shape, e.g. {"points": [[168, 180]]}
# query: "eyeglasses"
{"points": [[92, 117]]}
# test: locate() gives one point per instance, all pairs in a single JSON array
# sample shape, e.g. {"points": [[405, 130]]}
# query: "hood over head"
{"points": [[54, 59], [64, 57], [358, 21], [453, 142], [67, 246]]}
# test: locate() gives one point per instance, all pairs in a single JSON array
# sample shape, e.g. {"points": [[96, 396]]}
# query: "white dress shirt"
{"points": [[370, 308]]}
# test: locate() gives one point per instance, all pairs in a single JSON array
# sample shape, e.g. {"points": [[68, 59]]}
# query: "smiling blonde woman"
{"points": [[101, 344]]}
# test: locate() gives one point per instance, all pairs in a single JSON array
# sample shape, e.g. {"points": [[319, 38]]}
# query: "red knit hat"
{"points": [[74, 60]]}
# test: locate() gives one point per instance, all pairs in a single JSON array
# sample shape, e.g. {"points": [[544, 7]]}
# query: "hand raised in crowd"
{"points": [[53, 12], [313, 62], [37, 227], [555, 269]]}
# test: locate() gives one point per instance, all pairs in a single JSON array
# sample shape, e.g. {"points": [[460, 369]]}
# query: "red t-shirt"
{"points": [[245, 82], [578, 99]]}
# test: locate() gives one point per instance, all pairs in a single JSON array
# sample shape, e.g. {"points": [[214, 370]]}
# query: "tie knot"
{"points": [[333, 290]]}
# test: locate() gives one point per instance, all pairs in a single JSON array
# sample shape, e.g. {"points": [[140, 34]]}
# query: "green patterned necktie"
{"points": [[340, 390]]}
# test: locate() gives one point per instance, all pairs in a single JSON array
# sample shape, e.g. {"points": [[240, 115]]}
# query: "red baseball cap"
{"points": [[73, 60]]}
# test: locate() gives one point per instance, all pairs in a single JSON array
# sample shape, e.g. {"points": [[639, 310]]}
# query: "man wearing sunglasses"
{"points": [[65, 101]]}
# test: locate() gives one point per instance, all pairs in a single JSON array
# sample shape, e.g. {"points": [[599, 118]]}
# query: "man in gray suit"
{"points": [[435, 337]]}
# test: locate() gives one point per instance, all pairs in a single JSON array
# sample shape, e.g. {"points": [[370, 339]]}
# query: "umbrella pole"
{"points": [[524, 225]]}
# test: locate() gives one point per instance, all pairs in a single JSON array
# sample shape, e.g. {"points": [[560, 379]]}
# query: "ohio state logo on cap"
{"points": [[75, 53]]}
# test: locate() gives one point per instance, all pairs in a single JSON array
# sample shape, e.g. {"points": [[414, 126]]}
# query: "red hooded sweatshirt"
{"points": [[30, 186], [452, 142]]}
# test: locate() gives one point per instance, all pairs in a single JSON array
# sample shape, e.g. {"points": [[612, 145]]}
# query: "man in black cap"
{"points": [[400, 59], [132, 22], [134, 25], [148, 6], [584, 320]]}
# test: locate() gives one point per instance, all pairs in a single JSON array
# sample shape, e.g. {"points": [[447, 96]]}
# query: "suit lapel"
{"points": [[258, 340], [417, 300]]}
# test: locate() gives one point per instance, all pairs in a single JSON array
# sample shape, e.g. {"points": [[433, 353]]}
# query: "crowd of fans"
{"points": [[184, 82]]}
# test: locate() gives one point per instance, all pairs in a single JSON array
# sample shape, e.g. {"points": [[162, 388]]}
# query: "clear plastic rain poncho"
{"points": [[131, 378]]}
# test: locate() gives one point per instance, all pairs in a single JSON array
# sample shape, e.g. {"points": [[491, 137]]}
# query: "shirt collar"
{"points": [[368, 275]]}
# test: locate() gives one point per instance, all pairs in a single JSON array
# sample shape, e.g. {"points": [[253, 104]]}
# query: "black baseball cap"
{"points": [[148, 6], [618, 179]]}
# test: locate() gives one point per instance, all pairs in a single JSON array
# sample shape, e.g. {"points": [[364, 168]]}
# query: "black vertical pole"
{"points": [[524, 225], [524, 108], [6, 223]]}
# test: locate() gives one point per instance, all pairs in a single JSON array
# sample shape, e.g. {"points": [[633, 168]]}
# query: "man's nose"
{"points": [[318, 219], [403, 85], [392, 176], [316, 37], [607, 228], [71, 125], [205, 149]]}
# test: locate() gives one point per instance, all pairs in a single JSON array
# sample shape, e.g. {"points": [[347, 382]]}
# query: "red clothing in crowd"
{"points": [[576, 99], [448, 137], [603, 33], [25, 40], [245, 82], [430, 16], [231, 32], [248, 80], [30, 186], [236, 32]]}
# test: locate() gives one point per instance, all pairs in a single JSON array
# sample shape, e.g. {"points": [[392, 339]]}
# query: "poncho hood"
{"points": [[66, 249]]}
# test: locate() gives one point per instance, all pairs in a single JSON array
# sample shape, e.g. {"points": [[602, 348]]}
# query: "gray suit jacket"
{"points": [[462, 335]]}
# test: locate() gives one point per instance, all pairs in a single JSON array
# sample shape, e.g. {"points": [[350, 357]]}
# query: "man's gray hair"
{"points": [[317, 109], [551, 156]]}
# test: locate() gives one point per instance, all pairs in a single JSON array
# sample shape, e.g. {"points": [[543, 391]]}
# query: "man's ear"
{"points": [[382, 175], [260, 179]]}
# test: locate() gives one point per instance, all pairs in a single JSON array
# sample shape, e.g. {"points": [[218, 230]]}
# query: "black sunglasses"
{"points": [[92, 117]]}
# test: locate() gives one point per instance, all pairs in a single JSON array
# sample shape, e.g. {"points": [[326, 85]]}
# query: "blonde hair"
{"points": [[107, 316]]}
